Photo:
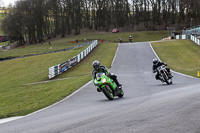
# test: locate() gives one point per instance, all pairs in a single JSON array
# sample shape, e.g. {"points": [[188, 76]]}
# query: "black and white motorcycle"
{"points": [[164, 75]]}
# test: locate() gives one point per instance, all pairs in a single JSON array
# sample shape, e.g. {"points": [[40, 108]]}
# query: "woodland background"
{"points": [[33, 20]]}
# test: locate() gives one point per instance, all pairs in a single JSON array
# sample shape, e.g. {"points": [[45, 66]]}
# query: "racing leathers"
{"points": [[105, 70], [155, 66]]}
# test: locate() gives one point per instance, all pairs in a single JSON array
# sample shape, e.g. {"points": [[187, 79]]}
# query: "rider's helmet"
{"points": [[129, 36], [96, 64], [155, 61]]}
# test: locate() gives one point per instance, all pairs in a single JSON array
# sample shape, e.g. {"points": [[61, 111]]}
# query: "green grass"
{"points": [[17, 99], [180, 55], [35, 49], [141, 36], [67, 42], [3, 43]]}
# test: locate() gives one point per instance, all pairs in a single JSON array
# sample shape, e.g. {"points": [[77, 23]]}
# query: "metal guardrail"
{"points": [[60, 68], [193, 38]]}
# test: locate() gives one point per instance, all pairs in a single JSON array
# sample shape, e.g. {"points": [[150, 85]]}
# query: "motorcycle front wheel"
{"points": [[167, 80], [108, 92], [121, 94]]}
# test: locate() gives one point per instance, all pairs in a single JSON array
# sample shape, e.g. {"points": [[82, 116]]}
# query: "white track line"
{"points": [[18, 117], [9, 119], [62, 99], [115, 55]]}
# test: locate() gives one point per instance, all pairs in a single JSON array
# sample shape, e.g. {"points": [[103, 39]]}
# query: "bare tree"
{"points": [[32, 20]]}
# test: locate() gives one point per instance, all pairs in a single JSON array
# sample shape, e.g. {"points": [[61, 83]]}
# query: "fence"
{"points": [[193, 38], [196, 40], [183, 36], [60, 68]]}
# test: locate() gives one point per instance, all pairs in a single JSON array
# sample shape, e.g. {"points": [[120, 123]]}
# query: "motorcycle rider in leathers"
{"points": [[156, 64], [100, 68]]}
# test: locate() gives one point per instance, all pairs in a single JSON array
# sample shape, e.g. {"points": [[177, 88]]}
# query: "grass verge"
{"points": [[35, 49], [180, 55], [63, 43], [140, 36], [3, 43], [18, 99]]}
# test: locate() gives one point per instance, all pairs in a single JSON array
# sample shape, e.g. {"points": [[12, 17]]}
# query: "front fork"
{"points": [[116, 91]]}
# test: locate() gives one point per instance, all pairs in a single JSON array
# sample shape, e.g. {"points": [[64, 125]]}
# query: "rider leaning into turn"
{"points": [[100, 68], [156, 64]]}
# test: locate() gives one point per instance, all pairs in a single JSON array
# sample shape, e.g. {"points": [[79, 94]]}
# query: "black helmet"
{"points": [[96, 64], [155, 61]]}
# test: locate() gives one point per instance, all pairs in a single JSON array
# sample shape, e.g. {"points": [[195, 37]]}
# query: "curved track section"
{"points": [[148, 106]]}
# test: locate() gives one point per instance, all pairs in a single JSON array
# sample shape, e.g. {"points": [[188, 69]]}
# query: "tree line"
{"points": [[33, 20]]}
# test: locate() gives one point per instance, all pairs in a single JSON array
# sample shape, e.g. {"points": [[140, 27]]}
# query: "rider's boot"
{"points": [[118, 84]]}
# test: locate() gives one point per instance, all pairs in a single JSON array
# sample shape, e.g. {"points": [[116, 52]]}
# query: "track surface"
{"points": [[148, 106]]}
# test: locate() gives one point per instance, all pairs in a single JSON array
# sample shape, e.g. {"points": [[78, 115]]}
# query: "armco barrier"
{"points": [[60, 68], [196, 40], [182, 36], [193, 38]]}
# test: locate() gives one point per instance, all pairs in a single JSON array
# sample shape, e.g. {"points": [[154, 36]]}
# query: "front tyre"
{"points": [[121, 93], [108, 92], [167, 80]]}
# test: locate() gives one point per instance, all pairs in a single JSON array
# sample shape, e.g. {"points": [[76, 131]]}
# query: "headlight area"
{"points": [[104, 80]]}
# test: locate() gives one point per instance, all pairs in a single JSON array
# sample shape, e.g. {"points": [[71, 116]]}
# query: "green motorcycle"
{"points": [[107, 86]]}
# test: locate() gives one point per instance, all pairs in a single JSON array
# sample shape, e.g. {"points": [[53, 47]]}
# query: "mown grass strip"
{"points": [[180, 55], [55, 80], [17, 99]]}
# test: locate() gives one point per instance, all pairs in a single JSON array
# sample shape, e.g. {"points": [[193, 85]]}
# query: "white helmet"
{"points": [[155, 61]]}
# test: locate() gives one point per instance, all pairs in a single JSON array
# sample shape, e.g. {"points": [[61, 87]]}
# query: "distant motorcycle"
{"points": [[130, 39], [164, 75], [108, 86]]}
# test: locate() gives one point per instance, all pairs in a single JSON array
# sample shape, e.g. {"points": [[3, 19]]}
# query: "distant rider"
{"points": [[120, 39], [130, 39], [156, 64], [100, 68]]}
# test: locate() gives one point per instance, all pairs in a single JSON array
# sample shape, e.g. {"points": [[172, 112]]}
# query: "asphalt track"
{"points": [[148, 106]]}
